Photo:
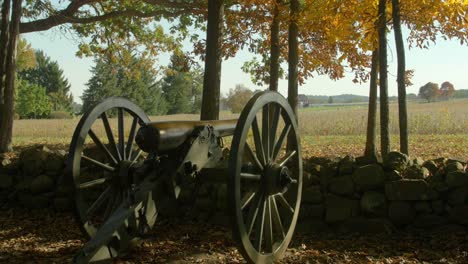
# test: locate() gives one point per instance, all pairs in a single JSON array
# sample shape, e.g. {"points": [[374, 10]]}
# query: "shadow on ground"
{"points": [[44, 237]]}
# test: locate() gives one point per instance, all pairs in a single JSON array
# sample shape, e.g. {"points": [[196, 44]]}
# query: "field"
{"points": [[436, 129]]}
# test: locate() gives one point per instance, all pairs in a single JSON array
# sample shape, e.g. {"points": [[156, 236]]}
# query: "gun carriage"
{"points": [[115, 191]]}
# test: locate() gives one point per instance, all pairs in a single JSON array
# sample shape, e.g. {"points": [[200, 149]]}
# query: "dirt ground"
{"points": [[46, 237]]}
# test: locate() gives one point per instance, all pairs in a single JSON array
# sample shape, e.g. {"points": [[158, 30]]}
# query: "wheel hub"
{"points": [[276, 178]]}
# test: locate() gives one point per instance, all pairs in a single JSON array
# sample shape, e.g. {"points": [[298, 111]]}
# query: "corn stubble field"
{"points": [[436, 129]]}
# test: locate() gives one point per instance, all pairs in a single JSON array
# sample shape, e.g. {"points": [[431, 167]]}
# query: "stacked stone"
{"points": [[349, 193], [367, 197], [32, 180]]}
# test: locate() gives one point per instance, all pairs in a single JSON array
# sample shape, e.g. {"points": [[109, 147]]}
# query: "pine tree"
{"points": [[130, 81], [48, 74], [182, 86]]}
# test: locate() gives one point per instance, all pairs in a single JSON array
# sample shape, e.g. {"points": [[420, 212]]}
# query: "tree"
{"points": [[133, 82], [238, 97], [383, 73], [293, 54], [401, 76], [275, 46], [182, 85], [371, 147], [48, 74], [430, 91], [32, 101], [109, 26], [9, 33], [26, 58], [330, 99], [447, 90], [213, 60]]}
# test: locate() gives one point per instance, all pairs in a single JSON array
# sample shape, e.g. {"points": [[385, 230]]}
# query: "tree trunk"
{"points": [[274, 48], [402, 110], [6, 109], [213, 60], [293, 55], [3, 44], [371, 148], [293, 60], [384, 107]]}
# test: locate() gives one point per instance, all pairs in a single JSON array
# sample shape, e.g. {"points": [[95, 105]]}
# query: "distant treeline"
{"points": [[352, 98]]}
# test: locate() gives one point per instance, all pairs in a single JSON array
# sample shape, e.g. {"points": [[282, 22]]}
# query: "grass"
{"points": [[436, 129]]}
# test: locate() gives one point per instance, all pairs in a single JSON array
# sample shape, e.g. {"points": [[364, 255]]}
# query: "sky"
{"points": [[443, 61]]}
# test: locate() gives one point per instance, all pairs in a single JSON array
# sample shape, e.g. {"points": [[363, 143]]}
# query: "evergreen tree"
{"points": [[48, 74], [182, 86], [132, 82]]}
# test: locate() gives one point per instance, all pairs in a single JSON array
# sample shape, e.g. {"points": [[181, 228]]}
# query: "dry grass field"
{"points": [[436, 129]]}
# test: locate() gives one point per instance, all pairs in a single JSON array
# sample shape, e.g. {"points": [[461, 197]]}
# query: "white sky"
{"points": [[444, 61]]}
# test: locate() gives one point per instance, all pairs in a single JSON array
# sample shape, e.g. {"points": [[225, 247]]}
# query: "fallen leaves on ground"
{"points": [[46, 237]]}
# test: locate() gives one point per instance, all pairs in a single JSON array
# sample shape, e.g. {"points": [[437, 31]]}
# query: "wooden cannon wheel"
{"points": [[265, 180], [99, 166]]}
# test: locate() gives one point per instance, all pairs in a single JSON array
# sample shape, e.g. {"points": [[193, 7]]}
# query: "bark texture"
{"points": [[383, 73], [4, 28], [213, 60], [371, 147], [6, 109], [274, 48], [293, 55], [402, 109]]}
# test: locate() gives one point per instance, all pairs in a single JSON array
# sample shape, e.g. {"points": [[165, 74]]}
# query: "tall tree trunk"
{"points": [[293, 60], [6, 109], [274, 48], [402, 110], [3, 44], [293, 55], [213, 60], [384, 107], [371, 148]]}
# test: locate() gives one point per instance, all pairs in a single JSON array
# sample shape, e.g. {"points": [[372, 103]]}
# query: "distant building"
{"points": [[303, 100]]}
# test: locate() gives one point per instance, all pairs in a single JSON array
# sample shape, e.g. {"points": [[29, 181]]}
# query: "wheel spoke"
{"points": [[109, 134], [285, 203], [268, 226], [104, 195], [260, 226], [120, 125], [102, 146], [253, 212], [287, 158], [253, 156], [137, 156], [280, 142], [258, 142], [110, 204], [131, 137], [274, 127], [247, 199], [91, 183], [266, 132], [276, 217], [250, 176], [99, 164]]}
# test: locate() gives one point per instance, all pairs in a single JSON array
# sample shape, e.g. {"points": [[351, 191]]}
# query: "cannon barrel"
{"points": [[167, 135]]}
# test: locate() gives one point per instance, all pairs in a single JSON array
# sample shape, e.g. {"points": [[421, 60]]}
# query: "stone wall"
{"points": [[346, 193], [34, 180]]}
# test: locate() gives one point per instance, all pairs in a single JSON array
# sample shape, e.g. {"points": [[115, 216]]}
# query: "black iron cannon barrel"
{"points": [[168, 135]]}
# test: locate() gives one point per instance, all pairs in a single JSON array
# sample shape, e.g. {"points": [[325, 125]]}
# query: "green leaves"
{"points": [[32, 101]]}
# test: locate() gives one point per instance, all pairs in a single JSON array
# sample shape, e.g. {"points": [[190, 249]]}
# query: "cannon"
{"points": [[119, 159]]}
